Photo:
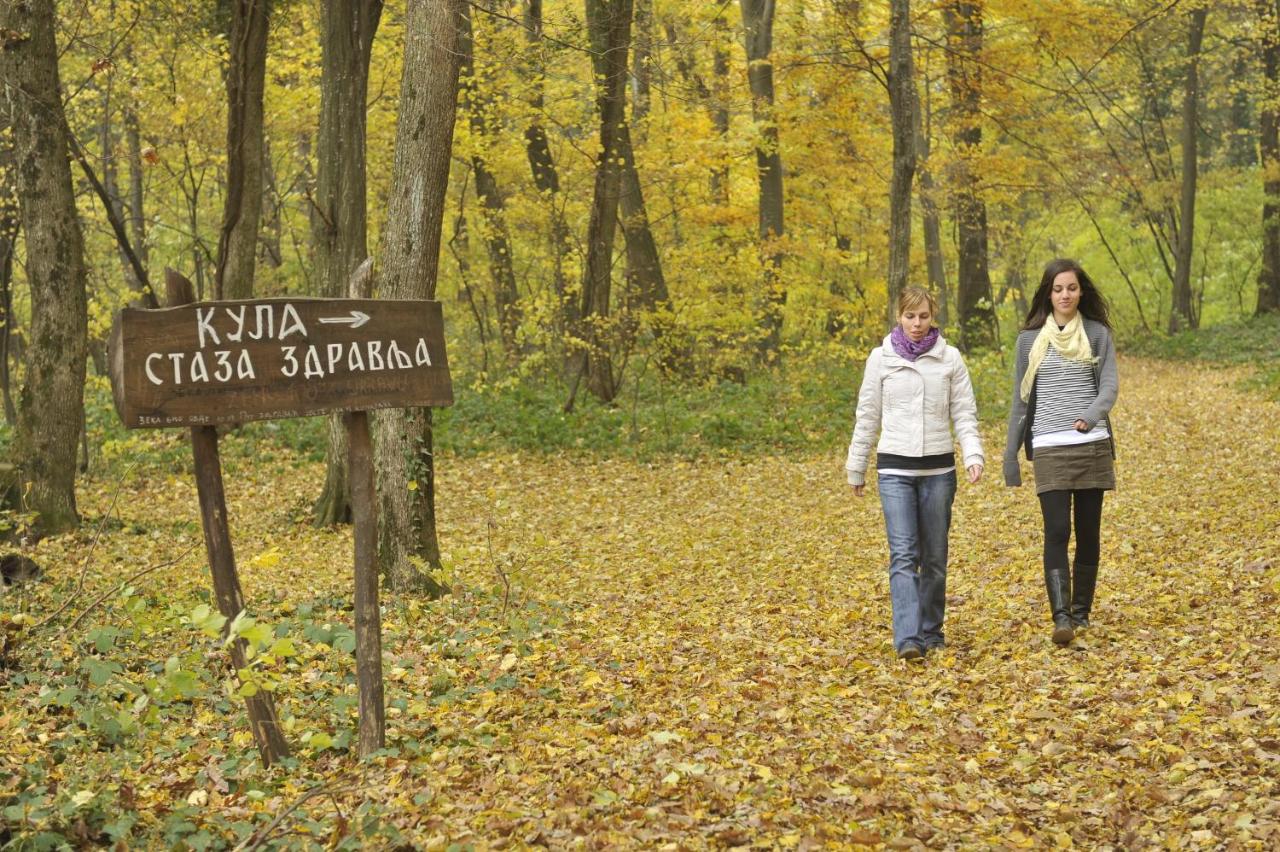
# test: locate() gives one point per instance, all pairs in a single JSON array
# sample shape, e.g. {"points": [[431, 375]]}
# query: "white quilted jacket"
{"points": [[913, 405]]}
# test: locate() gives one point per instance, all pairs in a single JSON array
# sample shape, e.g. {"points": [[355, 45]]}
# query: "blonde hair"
{"points": [[910, 297]]}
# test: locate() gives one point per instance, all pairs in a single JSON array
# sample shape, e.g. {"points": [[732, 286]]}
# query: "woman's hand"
{"points": [[1081, 426], [975, 472], [859, 490]]}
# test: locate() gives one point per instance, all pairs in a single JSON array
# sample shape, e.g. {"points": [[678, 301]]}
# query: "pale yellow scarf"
{"points": [[1071, 342]]}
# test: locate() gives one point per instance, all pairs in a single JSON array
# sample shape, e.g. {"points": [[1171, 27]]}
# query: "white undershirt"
{"points": [[1069, 437], [933, 471]]}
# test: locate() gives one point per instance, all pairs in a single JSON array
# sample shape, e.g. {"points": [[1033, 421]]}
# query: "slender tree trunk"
{"points": [[339, 217], [242, 207], [410, 254], [493, 205], [137, 213], [1269, 125], [975, 308], [609, 24], [9, 224], [902, 110], [51, 404], [757, 20], [545, 176], [720, 86], [930, 218], [1184, 314]]}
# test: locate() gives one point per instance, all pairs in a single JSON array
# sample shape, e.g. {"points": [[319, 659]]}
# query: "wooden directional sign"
{"points": [[232, 362]]}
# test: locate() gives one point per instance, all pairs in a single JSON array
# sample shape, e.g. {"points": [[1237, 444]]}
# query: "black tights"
{"points": [[1055, 506]]}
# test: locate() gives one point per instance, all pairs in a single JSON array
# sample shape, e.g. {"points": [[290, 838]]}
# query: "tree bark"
{"points": [[757, 20], [930, 218], [51, 403], [410, 255], [339, 218], [644, 264], [609, 25], [242, 207], [1269, 125], [9, 225], [493, 205], [973, 294], [902, 112], [1184, 313], [545, 177], [137, 213]]}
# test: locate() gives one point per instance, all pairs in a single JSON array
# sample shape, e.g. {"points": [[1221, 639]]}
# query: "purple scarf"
{"points": [[909, 349]]}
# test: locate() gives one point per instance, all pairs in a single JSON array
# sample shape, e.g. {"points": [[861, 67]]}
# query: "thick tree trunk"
{"points": [[410, 255], [973, 295], [339, 220], [242, 207], [644, 264], [902, 111], [609, 24], [545, 177], [1269, 125], [493, 203], [51, 403], [757, 20], [1184, 313]]}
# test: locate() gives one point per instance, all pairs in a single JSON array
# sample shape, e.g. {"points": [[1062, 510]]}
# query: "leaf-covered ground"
{"points": [[684, 653]]}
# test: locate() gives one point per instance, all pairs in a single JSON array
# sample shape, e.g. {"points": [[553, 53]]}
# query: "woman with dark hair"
{"points": [[1064, 385], [914, 390]]}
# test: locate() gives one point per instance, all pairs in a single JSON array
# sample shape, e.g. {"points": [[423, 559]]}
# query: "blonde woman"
{"points": [[914, 390], [1064, 385]]}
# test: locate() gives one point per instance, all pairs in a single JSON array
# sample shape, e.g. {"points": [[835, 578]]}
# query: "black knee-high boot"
{"points": [[1083, 580], [1057, 582]]}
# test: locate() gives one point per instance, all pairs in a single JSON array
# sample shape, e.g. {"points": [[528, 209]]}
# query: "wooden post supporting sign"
{"points": [[211, 363]]}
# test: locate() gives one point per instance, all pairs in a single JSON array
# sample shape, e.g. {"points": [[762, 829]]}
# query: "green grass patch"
{"points": [[804, 405], [1253, 342]]}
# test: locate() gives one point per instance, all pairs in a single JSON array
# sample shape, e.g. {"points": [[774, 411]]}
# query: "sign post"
{"points": [[211, 363]]}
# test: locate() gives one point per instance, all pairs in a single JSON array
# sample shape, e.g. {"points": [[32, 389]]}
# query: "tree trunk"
{"points": [[1269, 123], [720, 95], [644, 264], [545, 177], [242, 207], [137, 213], [9, 224], [1184, 314], [410, 254], [339, 221], [609, 24], [757, 20], [493, 204], [973, 294], [930, 218], [51, 403], [902, 111]]}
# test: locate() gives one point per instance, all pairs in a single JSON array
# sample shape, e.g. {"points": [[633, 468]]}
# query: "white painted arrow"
{"points": [[357, 319]]}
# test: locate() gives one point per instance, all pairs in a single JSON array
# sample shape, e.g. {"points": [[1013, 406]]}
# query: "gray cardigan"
{"points": [[1022, 414]]}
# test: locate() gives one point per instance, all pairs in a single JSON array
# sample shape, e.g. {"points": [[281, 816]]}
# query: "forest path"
{"points": [[698, 653], [733, 675]]}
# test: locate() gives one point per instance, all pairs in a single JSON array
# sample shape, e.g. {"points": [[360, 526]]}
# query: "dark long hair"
{"points": [[1093, 305]]}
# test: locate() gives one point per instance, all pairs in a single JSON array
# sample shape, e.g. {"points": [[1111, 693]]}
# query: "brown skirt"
{"points": [[1074, 467]]}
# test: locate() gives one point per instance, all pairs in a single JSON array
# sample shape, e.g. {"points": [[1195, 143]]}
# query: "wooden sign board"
{"points": [[264, 359]]}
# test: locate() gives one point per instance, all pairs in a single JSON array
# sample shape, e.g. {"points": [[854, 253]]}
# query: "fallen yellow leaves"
{"points": [[698, 655]]}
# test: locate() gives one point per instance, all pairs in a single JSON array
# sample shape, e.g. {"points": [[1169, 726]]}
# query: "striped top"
{"points": [[1064, 390]]}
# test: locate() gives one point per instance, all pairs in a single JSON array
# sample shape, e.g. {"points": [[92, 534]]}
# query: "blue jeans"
{"points": [[917, 519]]}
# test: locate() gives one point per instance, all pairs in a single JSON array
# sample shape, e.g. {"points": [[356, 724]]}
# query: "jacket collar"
{"points": [[891, 356]]}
